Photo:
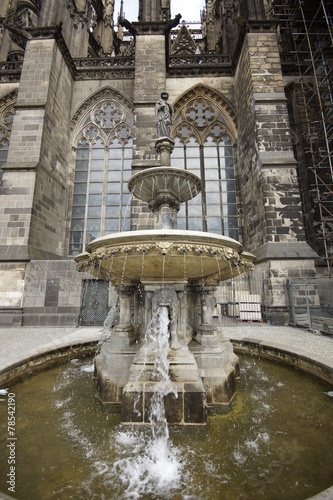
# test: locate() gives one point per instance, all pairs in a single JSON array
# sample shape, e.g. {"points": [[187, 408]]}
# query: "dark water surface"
{"points": [[275, 442]]}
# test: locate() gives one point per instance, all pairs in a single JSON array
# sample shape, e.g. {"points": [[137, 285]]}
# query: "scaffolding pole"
{"points": [[310, 26]]}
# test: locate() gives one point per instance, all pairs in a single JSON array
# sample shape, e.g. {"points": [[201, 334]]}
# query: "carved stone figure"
{"points": [[164, 116]]}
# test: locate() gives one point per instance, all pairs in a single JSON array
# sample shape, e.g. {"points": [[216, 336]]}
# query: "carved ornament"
{"points": [[107, 93]]}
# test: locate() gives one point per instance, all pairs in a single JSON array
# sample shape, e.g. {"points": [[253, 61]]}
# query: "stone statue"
{"points": [[164, 116]]}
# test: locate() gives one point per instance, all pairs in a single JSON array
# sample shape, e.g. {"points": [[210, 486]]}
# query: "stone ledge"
{"points": [[11, 317], [314, 364], [283, 251], [20, 166], [276, 159], [143, 164], [25, 253], [269, 97], [34, 363]]}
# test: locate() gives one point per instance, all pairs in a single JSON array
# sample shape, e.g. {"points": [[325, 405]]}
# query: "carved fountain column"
{"points": [[206, 331], [124, 329]]}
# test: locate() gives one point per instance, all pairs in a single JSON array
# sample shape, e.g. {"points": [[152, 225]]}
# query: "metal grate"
{"points": [[310, 303], [94, 302]]}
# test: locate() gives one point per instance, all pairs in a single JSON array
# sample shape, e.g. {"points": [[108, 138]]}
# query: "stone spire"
{"points": [[108, 27], [121, 16], [154, 10]]}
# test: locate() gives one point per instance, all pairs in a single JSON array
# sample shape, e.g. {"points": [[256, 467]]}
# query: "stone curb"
{"points": [[315, 364], [45, 355]]}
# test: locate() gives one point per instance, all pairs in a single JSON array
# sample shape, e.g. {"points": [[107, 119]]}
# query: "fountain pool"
{"points": [[274, 442]]}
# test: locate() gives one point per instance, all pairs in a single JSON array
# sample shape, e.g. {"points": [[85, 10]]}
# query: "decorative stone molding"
{"points": [[103, 68], [104, 62], [106, 74], [214, 99], [126, 290], [164, 147], [80, 19], [161, 257], [99, 97], [183, 43], [164, 248], [149, 28]]}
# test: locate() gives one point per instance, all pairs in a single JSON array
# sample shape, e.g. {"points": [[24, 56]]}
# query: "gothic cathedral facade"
{"points": [[78, 88]]}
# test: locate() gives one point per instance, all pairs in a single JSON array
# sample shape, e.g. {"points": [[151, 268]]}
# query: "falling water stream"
{"points": [[275, 442], [157, 463]]}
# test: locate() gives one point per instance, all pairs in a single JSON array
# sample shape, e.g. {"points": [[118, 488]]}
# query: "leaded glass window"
{"points": [[203, 146], [102, 170]]}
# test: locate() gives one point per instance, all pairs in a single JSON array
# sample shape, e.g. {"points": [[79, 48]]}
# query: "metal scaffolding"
{"points": [[306, 29]]}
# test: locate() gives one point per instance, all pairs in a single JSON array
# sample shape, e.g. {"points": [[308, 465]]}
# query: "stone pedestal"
{"points": [[112, 367], [218, 367], [164, 147], [185, 402]]}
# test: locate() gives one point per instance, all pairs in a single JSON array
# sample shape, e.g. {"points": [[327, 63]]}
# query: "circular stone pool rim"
{"points": [[45, 356]]}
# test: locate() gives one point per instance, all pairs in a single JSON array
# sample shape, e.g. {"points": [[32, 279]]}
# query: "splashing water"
{"points": [[153, 464]]}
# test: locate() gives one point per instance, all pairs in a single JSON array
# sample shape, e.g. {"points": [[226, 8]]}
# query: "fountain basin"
{"points": [[149, 184], [260, 448], [164, 255]]}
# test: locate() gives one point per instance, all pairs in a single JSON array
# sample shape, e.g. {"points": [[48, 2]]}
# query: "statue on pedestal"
{"points": [[164, 116]]}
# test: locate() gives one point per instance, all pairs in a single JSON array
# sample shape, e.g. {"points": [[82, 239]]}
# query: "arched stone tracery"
{"points": [[204, 131], [102, 139]]}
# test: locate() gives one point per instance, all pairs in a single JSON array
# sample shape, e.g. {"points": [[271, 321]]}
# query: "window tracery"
{"points": [[102, 170], [203, 145]]}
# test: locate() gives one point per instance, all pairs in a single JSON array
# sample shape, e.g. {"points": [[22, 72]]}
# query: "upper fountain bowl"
{"points": [[164, 256], [149, 184]]}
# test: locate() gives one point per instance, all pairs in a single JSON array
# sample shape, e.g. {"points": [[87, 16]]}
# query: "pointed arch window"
{"points": [[203, 146], [102, 170]]}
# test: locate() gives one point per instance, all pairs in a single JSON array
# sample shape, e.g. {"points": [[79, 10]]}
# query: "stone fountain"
{"points": [[177, 271]]}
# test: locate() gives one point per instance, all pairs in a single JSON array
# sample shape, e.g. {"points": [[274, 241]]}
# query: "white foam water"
{"points": [[151, 465]]}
